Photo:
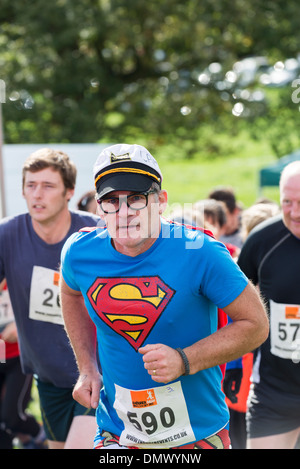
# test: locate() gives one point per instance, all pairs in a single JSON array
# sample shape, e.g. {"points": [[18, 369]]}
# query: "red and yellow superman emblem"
{"points": [[130, 306]]}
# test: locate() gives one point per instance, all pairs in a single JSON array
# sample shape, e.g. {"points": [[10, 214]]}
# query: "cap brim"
{"points": [[124, 182]]}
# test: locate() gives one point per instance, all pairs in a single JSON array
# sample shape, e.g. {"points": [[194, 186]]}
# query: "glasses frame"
{"points": [[125, 199]]}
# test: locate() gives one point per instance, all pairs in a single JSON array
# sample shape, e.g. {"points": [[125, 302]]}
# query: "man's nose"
{"points": [[123, 207], [37, 191], [295, 208]]}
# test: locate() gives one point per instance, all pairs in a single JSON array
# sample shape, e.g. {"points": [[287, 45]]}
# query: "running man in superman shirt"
{"points": [[152, 289]]}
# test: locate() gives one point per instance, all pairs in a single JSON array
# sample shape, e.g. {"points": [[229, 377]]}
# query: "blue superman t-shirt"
{"points": [[169, 295]]}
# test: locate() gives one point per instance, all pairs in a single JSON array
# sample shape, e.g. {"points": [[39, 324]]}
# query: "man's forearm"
{"points": [[80, 329], [248, 331], [225, 345], [82, 335]]}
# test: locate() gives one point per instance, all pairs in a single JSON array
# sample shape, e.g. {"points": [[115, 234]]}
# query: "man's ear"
{"points": [[70, 193], [163, 201]]}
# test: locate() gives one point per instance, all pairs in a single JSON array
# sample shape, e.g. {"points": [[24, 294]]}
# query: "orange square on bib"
{"points": [[144, 398], [292, 312]]}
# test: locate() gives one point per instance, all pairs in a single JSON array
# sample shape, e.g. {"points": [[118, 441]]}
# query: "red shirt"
{"points": [[11, 349]]}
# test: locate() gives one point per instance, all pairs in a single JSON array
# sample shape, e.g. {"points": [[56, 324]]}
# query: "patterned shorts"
{"points": [[220, 440]]}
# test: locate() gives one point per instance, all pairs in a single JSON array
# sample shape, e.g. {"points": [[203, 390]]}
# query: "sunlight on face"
{"points": [[45, 194], [135, 230], [290, 203]]}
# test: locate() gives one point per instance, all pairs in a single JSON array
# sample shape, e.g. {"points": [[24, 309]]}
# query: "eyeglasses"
{"points": [[137, 201]]}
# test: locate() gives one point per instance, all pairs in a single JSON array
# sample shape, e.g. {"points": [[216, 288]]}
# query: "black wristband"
{"points": [[185, 361]]}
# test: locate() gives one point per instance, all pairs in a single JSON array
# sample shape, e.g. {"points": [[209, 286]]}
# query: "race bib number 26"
{"points": [[44, 296]]}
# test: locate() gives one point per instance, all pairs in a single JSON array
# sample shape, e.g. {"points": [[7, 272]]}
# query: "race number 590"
{"points": [[149, 420]]}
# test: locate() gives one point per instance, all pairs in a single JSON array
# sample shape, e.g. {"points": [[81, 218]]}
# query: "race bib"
{"points": [[285, 331], [154, 418], [44, 296], [6, 311]]}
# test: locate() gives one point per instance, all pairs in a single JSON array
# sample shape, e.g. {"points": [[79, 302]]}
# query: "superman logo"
{"points": [[130, 306]]}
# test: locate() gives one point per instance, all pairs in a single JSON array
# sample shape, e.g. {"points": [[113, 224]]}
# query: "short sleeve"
{"points": [[66, 263], [223, 280], [247, 259]]}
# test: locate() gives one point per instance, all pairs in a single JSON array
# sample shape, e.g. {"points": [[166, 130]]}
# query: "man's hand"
{"points": [[87, 389], [232, 383], [10, 333], [163, 363]]}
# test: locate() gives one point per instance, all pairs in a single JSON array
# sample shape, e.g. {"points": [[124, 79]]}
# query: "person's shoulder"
{"points": [[13, 222], [188, 237], [88, 229], [189, 229], [84, 224], [87, 218], [271, 226], [265, 235]]}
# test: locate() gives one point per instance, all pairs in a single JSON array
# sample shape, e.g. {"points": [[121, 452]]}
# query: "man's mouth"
{"points": [[131, 230], [131, 226]]}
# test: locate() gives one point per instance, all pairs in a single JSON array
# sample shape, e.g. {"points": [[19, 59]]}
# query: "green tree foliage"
{"points": [[90, 70]]}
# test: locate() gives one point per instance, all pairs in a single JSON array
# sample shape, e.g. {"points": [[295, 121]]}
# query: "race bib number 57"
{"points": [[154, 418], [285, 330]]}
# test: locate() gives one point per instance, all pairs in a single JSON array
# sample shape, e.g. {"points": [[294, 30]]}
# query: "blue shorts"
{"points": [[58, 409]]}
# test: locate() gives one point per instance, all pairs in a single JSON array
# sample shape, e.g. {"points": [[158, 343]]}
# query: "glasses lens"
{"points": [[134, 201], [137, 201], [110, 205]]}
